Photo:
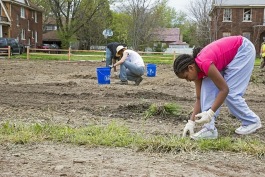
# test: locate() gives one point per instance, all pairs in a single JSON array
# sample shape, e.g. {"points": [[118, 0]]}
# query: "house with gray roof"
{"points": [[170, 38]]}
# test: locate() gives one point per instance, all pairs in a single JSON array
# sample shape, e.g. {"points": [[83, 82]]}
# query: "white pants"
{"points": [[237, 75]]}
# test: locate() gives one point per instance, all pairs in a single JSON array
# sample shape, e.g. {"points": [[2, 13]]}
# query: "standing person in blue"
{"points": [[111, 57], [131, 66], [221, 72]]}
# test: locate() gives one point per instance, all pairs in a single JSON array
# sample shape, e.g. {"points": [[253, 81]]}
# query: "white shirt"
{"points": [[134, 57]]}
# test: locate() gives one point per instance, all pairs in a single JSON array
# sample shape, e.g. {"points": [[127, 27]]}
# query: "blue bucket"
{"points": [[103, 75], [151, 70]]}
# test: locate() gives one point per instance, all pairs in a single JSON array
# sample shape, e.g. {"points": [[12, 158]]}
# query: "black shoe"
{"points": [[122, 82], [138, 81]]}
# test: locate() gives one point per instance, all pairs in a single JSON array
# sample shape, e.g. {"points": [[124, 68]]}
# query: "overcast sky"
{"points": [[179, 4]]}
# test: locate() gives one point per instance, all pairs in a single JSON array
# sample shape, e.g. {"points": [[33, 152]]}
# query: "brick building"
{"points": [[22, 20], [239, 17]]}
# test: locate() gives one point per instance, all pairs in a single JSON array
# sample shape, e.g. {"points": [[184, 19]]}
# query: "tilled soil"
{"points": [[67, 93]]}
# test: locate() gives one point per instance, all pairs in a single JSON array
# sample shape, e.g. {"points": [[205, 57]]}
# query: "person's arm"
{"points": [[125, 54], [221, 84], [218, 80], [197, 105], [189, 127]]}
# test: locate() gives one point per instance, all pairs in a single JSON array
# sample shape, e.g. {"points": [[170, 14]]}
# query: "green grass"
{"points": [[92, 56], [116, 135], [257, 62], [162, 110], [98, 56]]}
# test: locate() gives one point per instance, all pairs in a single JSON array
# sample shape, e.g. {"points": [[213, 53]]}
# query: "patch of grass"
{"points": [[116, 135], [162, 110], [98, 56], [91, 56], [257, 62]]}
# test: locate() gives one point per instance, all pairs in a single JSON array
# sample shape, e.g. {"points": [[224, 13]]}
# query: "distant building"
{"points": [[169, 36], [239, 17], [22, 20], [171, 40], [50, 32]]}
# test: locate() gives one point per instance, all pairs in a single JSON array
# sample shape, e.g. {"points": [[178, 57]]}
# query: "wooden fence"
{"points": [[70, 53], [5, 51]]}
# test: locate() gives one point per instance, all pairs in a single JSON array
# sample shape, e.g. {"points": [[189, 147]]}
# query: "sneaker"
{"points": [[205, 134], [247, 129], [138, 81], [122, 82]]}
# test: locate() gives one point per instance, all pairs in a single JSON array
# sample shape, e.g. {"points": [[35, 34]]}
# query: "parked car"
{"points": [[14, 46], [46, 46], [54, 46]]}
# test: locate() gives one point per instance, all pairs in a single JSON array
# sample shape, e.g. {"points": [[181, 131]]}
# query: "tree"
{"points": [[120, 27], [187, 27], [73, 15], [215, 16], [200, 10], [91, 33], [144, 17]]}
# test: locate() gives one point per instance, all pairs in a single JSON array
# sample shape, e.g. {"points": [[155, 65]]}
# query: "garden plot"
{"points": [[67, 93]]}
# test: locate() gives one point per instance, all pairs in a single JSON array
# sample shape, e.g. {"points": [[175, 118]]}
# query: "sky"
{"points": [[179, 4]]}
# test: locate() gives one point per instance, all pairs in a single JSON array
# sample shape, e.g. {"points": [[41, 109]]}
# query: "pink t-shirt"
{"points": [[220, 52]]}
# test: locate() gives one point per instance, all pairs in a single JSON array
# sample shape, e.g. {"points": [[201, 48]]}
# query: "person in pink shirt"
{"points": [[221, 72]]}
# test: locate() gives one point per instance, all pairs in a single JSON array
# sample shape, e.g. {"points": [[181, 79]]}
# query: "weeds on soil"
{"points": [[162, 110], [116, 135]]}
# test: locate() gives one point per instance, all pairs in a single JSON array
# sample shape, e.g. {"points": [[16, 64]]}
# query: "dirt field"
{"points": [[68, 93]]}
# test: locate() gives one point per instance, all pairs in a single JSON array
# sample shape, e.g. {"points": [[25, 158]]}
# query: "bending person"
{"points": [[221, 72], [111, 57]]}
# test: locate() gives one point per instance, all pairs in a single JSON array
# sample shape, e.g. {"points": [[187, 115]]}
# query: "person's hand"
{"points": [[111, 66], [205, 117], [189, 127]]}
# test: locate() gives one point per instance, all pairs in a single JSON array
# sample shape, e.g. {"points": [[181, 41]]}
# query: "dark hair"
{"points": [[182, 62]]}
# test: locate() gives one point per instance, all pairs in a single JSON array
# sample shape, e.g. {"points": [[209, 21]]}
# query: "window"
{"points": [[227, 15], [246, 35], [17, 20], [36, 17], [22, 12], [36, 36], [226, 34], [23, 34], [50, 27], [247, 15], [28, 26]]}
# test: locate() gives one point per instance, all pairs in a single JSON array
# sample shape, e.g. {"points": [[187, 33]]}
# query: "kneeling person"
{"points": [[131, 66]]}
